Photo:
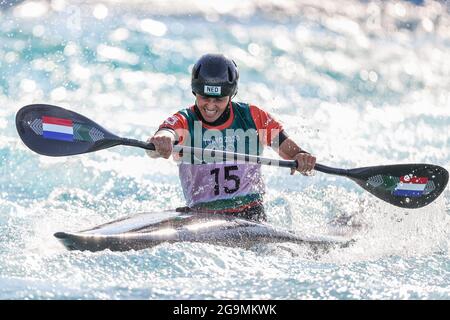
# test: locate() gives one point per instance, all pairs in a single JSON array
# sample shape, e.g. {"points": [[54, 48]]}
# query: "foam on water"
{"points": [[357, 84]]}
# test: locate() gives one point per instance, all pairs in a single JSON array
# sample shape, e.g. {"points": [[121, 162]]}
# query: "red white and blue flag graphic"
{"points": [[57, 128], [410, 186]]}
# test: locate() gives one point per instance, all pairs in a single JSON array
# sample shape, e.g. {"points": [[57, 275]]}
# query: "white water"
{"points": [[357, 84]]}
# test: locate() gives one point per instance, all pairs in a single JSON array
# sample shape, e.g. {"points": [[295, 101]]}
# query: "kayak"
{"points": [[146, 230]]}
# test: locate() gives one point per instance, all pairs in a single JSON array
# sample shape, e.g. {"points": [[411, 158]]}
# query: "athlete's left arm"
{"points": [[271, 133], [290, 150]]}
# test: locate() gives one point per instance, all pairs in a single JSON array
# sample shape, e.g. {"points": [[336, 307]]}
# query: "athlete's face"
{"points": [[211, 107]]}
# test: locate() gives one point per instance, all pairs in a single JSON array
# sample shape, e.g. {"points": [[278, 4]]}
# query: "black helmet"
{"points": [[215, 75]]}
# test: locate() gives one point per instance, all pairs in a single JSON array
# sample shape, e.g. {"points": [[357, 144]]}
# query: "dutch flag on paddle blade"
{"points": [[410, 187], [57, 128]]}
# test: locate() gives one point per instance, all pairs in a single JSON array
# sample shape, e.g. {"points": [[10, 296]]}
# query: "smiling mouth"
{"points": [[210, 113]]}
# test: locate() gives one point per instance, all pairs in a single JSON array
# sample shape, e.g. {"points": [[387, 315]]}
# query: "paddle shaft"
{"points": [[237, 156]]}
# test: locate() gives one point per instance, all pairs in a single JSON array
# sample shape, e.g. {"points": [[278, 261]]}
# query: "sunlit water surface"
{"points": [[357, 84]]}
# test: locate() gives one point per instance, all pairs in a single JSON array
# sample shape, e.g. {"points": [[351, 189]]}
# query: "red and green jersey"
{"points": [[224, 186]]}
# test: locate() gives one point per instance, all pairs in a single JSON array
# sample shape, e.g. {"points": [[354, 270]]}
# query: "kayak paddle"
{"points": [[54, 131]]}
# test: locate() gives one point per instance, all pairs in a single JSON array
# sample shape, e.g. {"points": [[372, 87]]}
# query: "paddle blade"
{"points": [[54, 131], [404, 185]]}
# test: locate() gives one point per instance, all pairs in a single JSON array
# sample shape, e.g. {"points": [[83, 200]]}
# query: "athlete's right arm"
{"points": [[163, 141], [172, 130]]}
